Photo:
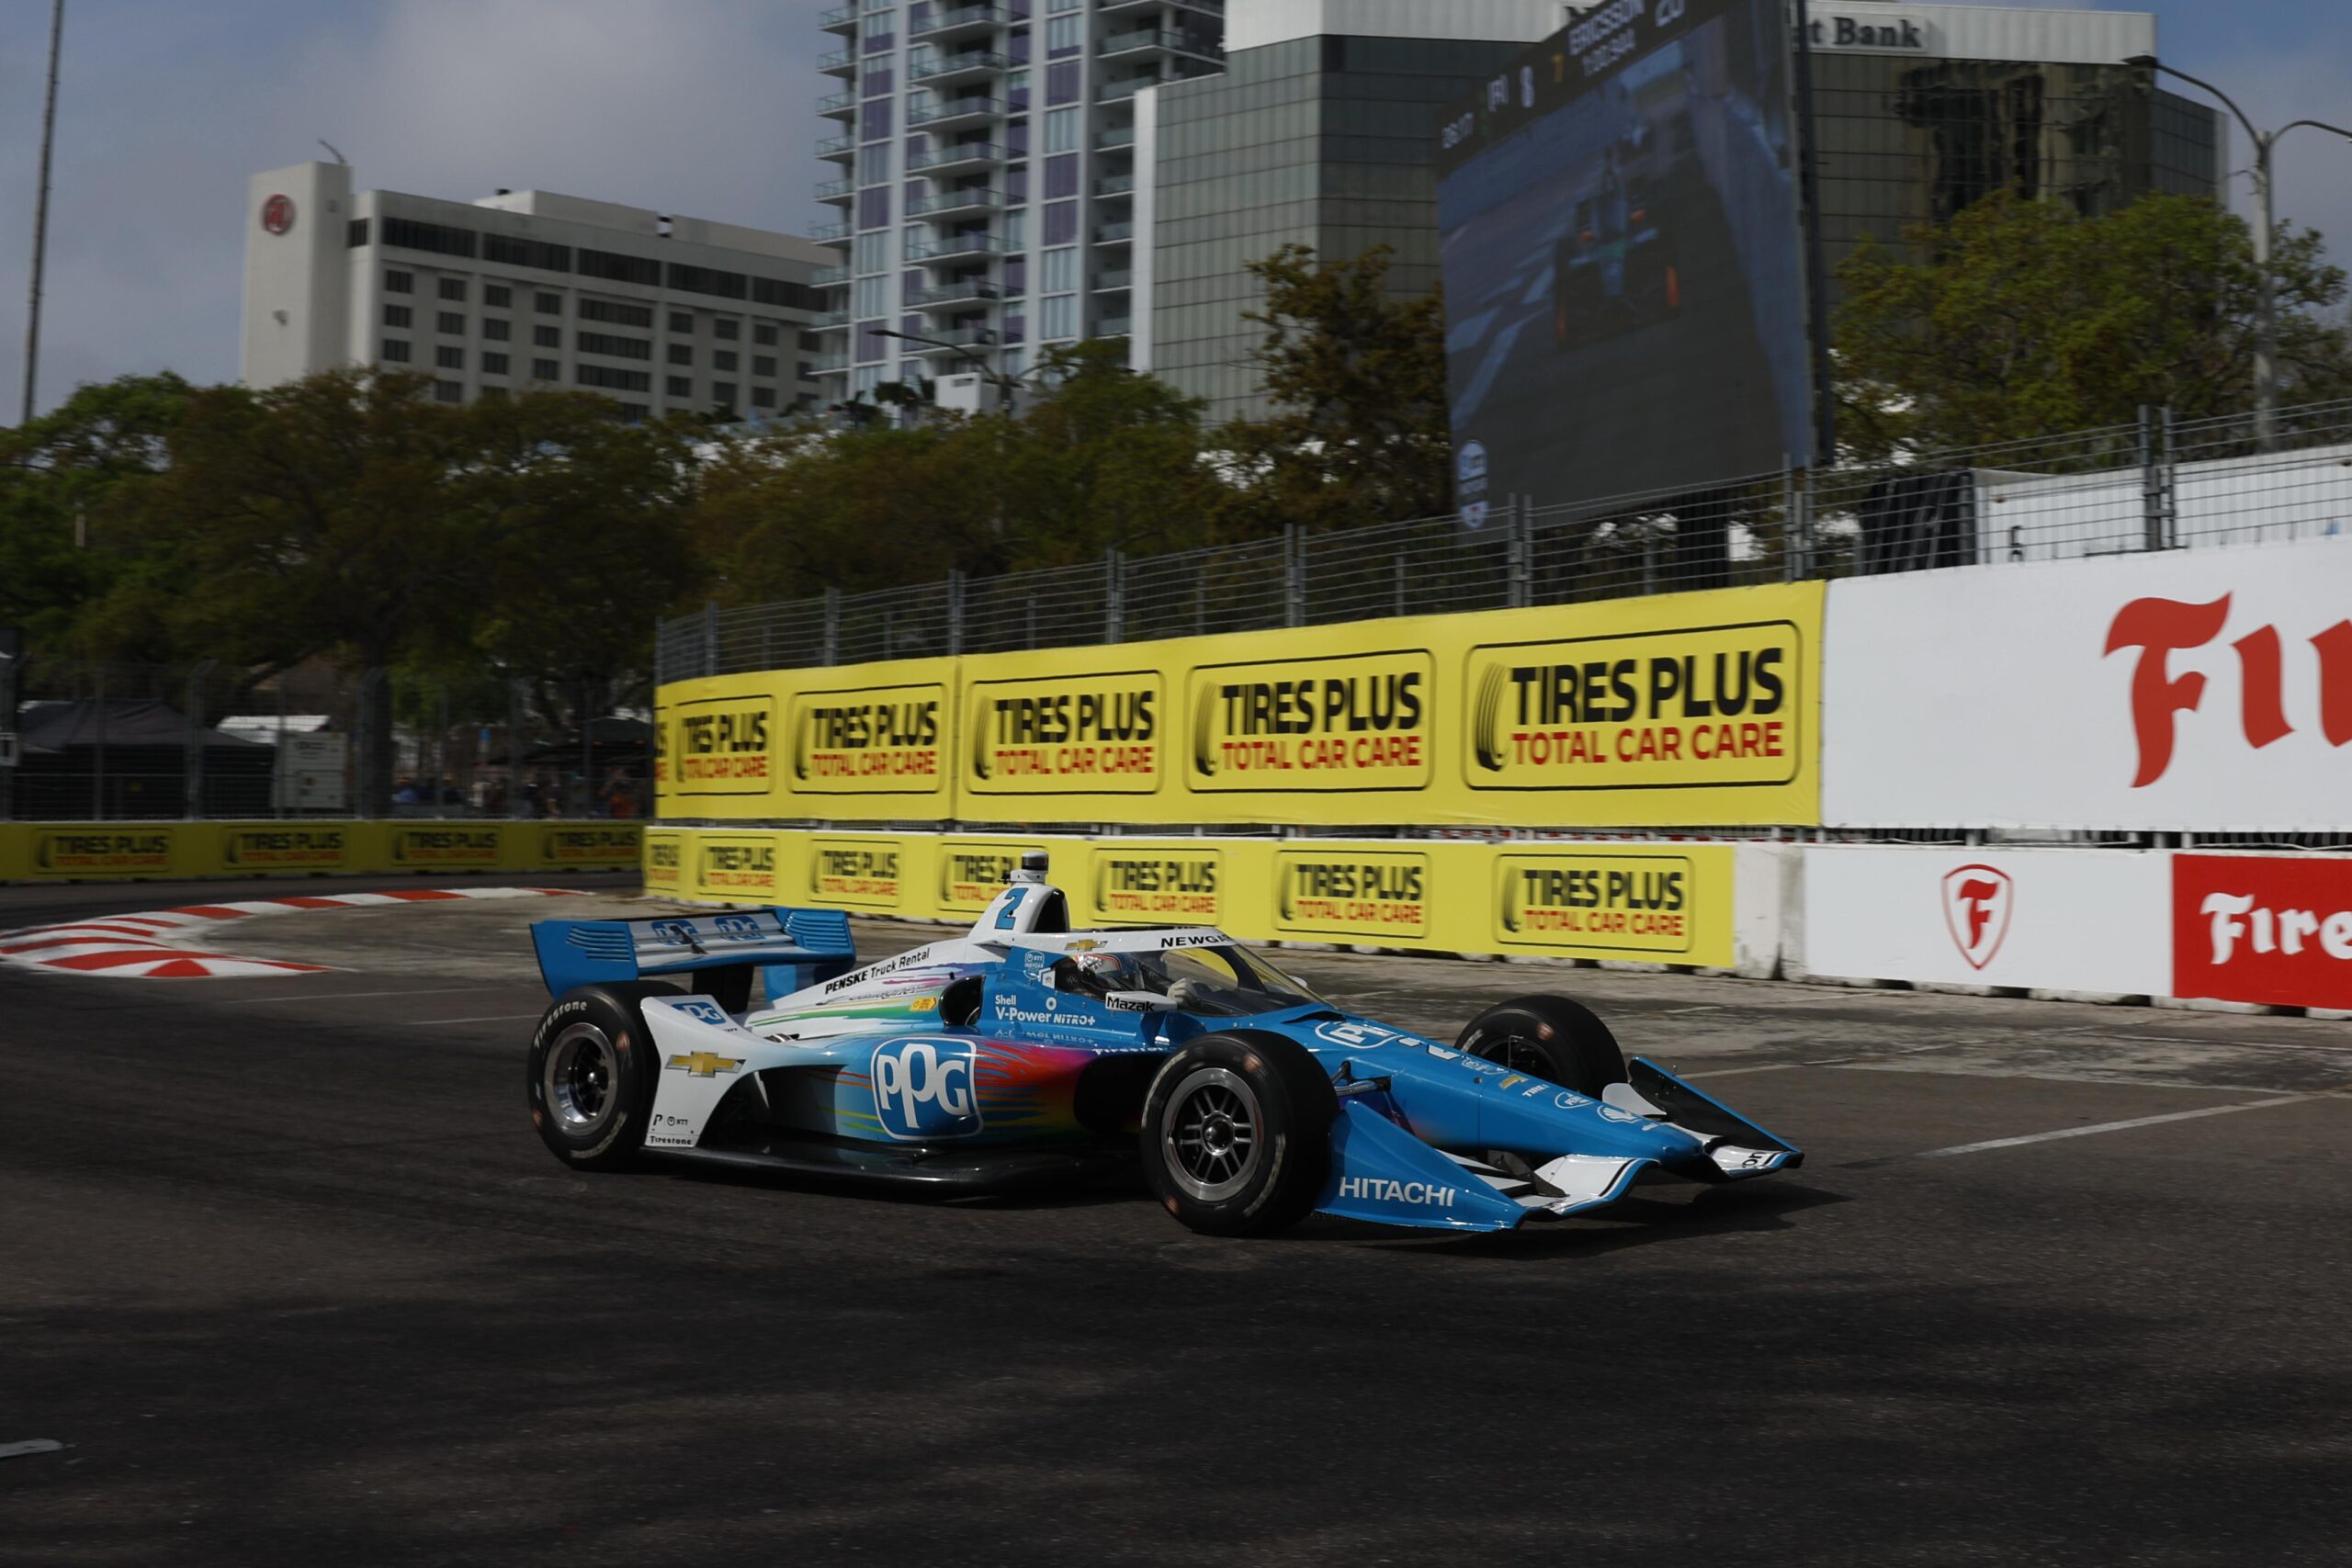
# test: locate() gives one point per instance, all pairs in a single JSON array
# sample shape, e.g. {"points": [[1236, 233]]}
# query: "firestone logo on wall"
{"points": [[1978, 902], [2263, 929], [2158, 628], [277, 214]]}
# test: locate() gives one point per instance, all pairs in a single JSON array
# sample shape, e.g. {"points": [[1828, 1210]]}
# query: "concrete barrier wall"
{"points": [[157, 851]]}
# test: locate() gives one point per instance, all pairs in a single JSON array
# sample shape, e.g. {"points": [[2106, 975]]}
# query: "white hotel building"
{"points": [[523, 288]]}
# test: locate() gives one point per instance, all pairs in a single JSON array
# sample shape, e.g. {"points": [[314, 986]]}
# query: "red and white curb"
{"points": [[152, 944]]}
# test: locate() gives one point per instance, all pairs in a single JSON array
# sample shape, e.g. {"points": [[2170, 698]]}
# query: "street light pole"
{"points": [[41, 209], [997, 379], [2266, 288]]}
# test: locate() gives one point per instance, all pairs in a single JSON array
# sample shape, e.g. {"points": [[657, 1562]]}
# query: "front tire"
{"points": [[1547, 1037], [592, 1074], [1236, 1134]]}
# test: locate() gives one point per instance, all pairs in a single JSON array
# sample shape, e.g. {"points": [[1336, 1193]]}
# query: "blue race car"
{"points": [[1026, 1052]]}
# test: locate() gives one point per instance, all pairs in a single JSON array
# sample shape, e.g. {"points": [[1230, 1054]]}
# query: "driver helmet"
{"points": [[1100, 974]]}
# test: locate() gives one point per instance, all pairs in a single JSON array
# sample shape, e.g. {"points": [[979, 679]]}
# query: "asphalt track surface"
{"points": [[283, 1265]]}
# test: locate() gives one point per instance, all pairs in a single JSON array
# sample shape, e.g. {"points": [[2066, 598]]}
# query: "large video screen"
{"points": [[1623, 260]]}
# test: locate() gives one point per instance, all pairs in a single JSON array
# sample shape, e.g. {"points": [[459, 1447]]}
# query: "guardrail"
{"points": [[2157, 484]]}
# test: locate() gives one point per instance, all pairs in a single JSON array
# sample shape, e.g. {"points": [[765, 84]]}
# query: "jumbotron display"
{"points": [[1623, 260]]}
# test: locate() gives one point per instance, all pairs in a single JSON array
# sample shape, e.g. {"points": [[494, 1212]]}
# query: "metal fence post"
{"points": [[710, 637], [515, 802], [1114, 596], [1294, 576], [98, 760], [1519, 518], [829, 651], [955, 612], [192, 772]]}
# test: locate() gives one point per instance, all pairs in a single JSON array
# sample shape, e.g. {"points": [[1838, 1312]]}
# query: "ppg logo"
{"points": [[922, 1089], [677, 933], [738, 928]]}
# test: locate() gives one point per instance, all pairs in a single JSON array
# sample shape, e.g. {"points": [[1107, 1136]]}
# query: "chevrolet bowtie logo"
{"points": [[705, 1064]]}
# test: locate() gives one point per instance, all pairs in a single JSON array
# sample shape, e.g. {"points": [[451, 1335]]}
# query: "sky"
{"points": [[703, 108]]}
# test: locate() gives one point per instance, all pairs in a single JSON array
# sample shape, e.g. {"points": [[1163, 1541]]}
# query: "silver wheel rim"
{"points": [[582, 1080], [1213, 1135], [1518, 1055]]}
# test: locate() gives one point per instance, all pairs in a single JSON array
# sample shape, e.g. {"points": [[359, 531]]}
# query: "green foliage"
{"points": [[1358, 379], [2020, 318]]}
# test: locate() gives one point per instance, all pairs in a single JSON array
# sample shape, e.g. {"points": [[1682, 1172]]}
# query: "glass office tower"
{"points": [[986, 176]]}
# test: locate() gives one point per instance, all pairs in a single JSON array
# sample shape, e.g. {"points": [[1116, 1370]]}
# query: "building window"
{"points": [[539, 254], [449, 392], [440, 238], [617, 381], [710, 280], [612, 343], [1058, 316], [633, 414], [763, 364], [811, 343], [723, 360], [727, 328], [722, 393], [450, 321], [496, 329], [547, 337], [1065, 35], [682, 320], [1063, 129], [616, 312], [497, 296], [355, 233], [786, 296], [449, 358], [398, 282], [493, 365], [763, 397], [396, 350], [764, 333], [1061, 222], [1057, 270], [620, 268], [679, 386], [681, 353], [454, 288], [546, 370], [397, 316], [548, 304]]}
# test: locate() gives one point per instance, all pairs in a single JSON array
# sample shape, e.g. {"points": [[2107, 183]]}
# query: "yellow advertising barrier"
{"points": [[1618, 900], [1655, 712], [68, 851]]}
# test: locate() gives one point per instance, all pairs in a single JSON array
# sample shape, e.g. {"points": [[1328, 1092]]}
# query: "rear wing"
{"points": [[810, 946]]}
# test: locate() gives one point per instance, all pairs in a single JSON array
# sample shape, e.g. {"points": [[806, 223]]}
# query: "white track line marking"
{"points": [[492, 1018], [2114, 1126], [1734, 1072]]}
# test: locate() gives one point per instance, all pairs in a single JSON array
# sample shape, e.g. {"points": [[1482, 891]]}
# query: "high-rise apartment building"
{"points": [[987, 176], [525, 287]]}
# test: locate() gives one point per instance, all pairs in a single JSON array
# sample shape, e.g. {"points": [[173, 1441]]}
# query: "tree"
{"points": [[2020, 318], [1357, 377], [1104, 459]]}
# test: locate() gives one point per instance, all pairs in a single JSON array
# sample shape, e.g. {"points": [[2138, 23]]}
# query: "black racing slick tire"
{"points": [[1236, 1134], [1547, 1037], [593, 1069]]}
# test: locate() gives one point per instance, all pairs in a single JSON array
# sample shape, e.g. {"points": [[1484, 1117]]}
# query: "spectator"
{"points": [[619, 795]]}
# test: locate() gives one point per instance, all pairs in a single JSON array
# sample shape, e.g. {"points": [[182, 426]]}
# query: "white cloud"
{"points": [[695, 106]]}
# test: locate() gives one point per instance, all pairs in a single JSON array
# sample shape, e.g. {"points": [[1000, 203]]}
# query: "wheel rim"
{"points": [[1519, 1055], [582, 1078], [1213, 1135]]}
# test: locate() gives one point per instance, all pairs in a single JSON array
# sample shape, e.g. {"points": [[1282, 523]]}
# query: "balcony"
{"points": [[950, 112], [941, 204], [835, 191], [1145, 41], [837, 147], [1118, 136], [1112, 326], [824, 363], [841, 105], [827, 277], [971, 65], [955, 157], [840, 62], [952, 247], [839, 19], [829, 233], [954, 340], [1118, 234], [1115, 185], [825, 319], [958, 293], [1114, 277], [958, 21], [1120, 92], [1117, 7]]}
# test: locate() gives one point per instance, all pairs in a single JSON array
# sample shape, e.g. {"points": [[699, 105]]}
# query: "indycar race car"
{"points": [[1026, 1052]]}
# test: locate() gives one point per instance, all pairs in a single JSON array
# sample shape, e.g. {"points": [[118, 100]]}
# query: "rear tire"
{"points": [[1548, 1037], [593, 1073], [1236, 1134]]}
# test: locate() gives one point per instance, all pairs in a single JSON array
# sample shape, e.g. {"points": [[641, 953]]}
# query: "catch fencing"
{"points": [[2153, 485], [211, 740]]}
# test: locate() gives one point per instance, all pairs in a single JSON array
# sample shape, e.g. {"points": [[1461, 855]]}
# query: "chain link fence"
{"points": [[2155, 484], [123, 742]]}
